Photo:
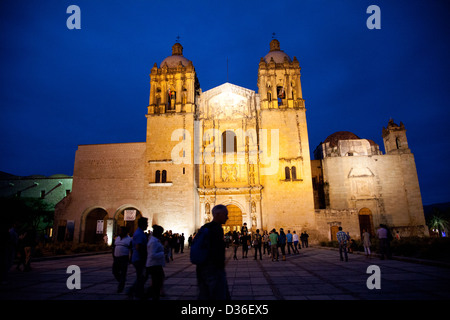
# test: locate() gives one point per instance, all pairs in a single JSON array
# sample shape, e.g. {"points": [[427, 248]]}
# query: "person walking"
{"points": [[245, 241], [366, 242], [121, 257], [139, 258], [289, 240], [282, 243], [295, 240], [257, 242], [29, 243], [265, 240], [235, 243], [304, 239], [383, 236], [274, 244], [155, 262], [342, 239], [182, 239], [211, 276]]}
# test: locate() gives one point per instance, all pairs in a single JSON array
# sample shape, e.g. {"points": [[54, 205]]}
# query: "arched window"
{"points": [[158, 176], [287, 173], [171, 99], [294, 173], [164, 176], [398, 143], [281, 95], [229, 142]]}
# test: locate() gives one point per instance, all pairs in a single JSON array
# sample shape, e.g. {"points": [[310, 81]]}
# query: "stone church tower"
{"points": [[287, 195], [169, 171], [394, 138]]}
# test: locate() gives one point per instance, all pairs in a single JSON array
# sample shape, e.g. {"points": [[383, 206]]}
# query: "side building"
{"points": [[51, 189], [358, 187]]}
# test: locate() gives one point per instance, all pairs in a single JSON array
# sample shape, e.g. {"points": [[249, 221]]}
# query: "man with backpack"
{"points": [[257, 242], [208, 253]]}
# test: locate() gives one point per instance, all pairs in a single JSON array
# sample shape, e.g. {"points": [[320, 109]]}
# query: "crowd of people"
{"points": [[348, 245], [148, 252], [270, 243]]}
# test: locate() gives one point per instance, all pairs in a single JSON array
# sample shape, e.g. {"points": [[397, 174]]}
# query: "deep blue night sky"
{"points": [[61, 88]]}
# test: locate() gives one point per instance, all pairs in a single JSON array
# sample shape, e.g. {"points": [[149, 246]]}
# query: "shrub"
{"points": [[414, 247]]}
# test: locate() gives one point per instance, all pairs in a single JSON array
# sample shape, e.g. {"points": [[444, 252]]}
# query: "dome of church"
{"points": [[177, 56], [276, 53], [334, 138]]}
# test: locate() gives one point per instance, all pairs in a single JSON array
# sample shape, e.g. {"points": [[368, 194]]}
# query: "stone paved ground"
{"points": [[315, 274]]}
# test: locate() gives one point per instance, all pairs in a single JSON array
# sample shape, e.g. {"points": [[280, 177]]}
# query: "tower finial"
{"points": [[177, 39]]}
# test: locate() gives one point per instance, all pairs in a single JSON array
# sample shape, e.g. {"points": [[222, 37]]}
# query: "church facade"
{"points": [[247, 150]]}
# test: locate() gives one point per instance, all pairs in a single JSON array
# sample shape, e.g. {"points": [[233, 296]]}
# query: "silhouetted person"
{"points": [[211, 276], [121, 256], [139, 258], [257, 242], [156, 261]]}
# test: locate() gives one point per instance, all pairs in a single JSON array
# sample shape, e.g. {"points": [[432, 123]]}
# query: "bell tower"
{"points": [[288, 193], [279, 80], [394, 138], [169, 171], [174, 85]]}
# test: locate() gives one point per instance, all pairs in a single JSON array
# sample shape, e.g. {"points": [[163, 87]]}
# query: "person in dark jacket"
{"points": [[282, 243], [211, 276]]}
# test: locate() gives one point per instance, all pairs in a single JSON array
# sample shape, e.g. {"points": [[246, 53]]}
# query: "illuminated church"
{"points": [[247, 150]]}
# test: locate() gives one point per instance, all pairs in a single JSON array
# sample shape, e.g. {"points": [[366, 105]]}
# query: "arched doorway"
{"points": [[365, 221], [95, 225], [234, 222], [127, 217]]}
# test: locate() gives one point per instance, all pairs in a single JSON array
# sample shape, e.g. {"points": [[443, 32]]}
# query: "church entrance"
{"points": [[128, 218], [234, 222], [95, 226], [365, 221]]}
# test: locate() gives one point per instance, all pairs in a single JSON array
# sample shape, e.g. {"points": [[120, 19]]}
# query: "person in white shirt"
{"points": [[121, 255], [295, 239], [366, 242], [155, 262]]}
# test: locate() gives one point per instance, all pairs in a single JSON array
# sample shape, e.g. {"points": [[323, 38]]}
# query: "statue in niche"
{"points": [[252, 174], [254, 220], [207, 213], [207, 178]]}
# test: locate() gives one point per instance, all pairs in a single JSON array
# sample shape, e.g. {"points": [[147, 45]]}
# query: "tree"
{"points": [[438, 222], [26, 212]]}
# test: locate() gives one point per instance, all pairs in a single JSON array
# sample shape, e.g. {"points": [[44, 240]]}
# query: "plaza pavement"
{"points": [[314, 274]]}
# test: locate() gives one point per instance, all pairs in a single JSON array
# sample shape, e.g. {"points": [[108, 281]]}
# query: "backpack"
{"points": [[257, 240], [200, 247]]}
